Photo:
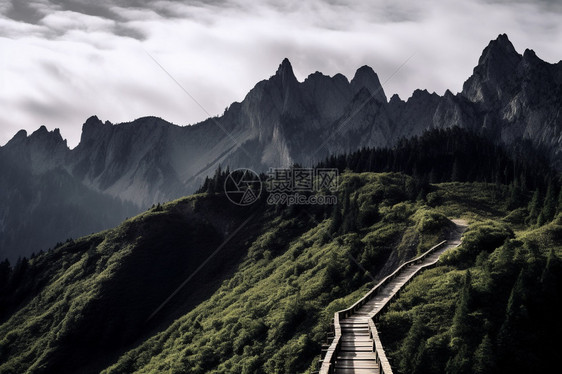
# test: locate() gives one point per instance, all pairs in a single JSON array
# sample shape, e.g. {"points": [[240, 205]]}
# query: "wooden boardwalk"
{"points": [[355, 352]]}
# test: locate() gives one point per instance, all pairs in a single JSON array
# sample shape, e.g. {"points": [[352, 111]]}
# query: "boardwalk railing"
{"points": [[330, 354]]}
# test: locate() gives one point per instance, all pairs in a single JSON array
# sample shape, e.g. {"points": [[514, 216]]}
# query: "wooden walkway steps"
{"points": [[356, 347]]}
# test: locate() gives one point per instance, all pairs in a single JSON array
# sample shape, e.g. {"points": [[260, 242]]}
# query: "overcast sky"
{"points": [[62, 61]]}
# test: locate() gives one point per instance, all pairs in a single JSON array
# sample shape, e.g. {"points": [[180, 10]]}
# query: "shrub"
{"points": [[485, 236]]}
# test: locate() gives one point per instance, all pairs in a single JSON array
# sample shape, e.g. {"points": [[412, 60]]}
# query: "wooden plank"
{"points": [[355, 365], [351, 350], [358, 371]]}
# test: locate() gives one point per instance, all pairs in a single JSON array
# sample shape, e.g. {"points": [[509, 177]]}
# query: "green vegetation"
{"points": [[263, 304], [69, 309], [272, 315], [276, 285], [494, 304]]}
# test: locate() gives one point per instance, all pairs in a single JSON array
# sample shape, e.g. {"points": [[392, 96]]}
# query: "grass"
{"points": [[504, 258], [265, 302]]}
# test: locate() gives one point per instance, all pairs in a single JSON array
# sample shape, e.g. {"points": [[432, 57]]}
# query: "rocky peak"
{"points": [[495, 75], [318, 81], [92, 130], [93, 121], [340, 79], [530, 55], [500, 52], [422, 95], [316, 77], [41, 151], [45, 138], [285, 73], [395, 99], [367, 78], [17, 140], [448, 95], [538, 69]]}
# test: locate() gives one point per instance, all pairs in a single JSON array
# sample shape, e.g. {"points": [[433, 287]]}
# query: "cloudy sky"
{"points": [[62, 61]]}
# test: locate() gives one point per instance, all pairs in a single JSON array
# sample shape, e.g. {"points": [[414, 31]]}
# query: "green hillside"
{"points": [[264, 302], [267, 297], [494, 305]]}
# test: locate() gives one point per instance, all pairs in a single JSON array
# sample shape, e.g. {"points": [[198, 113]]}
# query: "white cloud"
{"points": [[62, 63]]}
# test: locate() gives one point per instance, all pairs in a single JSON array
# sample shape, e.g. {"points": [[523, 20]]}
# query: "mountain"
{"points": [[515, 97], [42, 203], [511, 99]]}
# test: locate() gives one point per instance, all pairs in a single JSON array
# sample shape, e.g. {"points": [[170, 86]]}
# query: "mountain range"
{"points": [[51, 192]]}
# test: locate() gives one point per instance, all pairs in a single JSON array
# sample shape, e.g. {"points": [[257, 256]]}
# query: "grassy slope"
{"points": [[273, 313], [442, 323], [267, 298], [89, 298], [263, 305]]}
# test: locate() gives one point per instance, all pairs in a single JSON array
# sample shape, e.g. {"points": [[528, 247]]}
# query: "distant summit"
{"points": [[367, 78], [495, 71], [285, 70]]}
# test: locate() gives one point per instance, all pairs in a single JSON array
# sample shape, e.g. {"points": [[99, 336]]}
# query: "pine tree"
{"points": [[351, 215], [534, 208], [551, 289], [412, 347], [549, 205], [461, 324], [511, 337], [516, 299], [559, 207], [460, 362], [552, 270], [484, 358], [541, 220], [346, 199], [217, 179], [210, 186], [336, 222], [515, 195]]}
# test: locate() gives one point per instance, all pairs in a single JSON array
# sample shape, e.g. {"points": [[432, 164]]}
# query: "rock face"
{"points": [[516, 97], [509, 98]]}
